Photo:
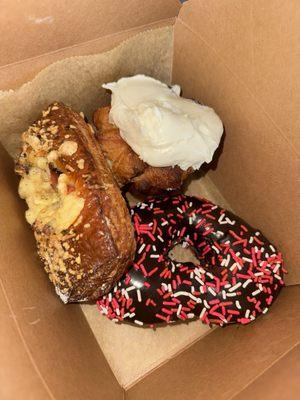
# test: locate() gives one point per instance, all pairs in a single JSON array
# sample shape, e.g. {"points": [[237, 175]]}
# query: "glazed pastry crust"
{"points": [[86, 258], [126, 165]]}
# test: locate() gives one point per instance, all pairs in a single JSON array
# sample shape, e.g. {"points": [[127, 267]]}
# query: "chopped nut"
{"points": [[80, 163], [45, 113], [68, 148], [69, 168], [78, 260]]}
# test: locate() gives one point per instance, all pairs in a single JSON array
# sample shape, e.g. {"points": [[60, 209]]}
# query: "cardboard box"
{"points": [[240, 57]]}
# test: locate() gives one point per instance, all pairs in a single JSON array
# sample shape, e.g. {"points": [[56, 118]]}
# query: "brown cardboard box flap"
{"points": [[223, 363], [234, 62], [33, 35], [29, 28], [280, 381]]}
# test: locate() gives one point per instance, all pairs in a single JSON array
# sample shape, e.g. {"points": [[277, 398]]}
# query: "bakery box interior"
{"points": [[242, 59]]}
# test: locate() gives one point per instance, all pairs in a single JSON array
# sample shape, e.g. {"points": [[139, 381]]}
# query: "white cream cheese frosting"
{"points": [[163, 128]]}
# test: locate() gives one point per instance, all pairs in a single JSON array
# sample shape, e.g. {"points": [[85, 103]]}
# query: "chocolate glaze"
{"points": [[238, 277]]}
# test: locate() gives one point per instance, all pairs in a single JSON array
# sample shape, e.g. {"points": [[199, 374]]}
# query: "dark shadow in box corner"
{"points": [[213, 165]]}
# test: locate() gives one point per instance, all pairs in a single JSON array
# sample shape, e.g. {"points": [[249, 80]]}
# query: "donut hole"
{"points": [[182, 253]]}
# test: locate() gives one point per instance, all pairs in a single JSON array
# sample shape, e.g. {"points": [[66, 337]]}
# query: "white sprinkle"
{"points": [[109, 297], [252, 317], [199, 280], [154, 247], [179, 210], [164, 223], [104, 310], [190, 315], [132, 315], [203, 311], [187, 294], [170, 288], [258, 273], [231, 294], [154, 255], [117, 311], [192, 289], [234, 266], [160, 238], [251, 239], [257, 233], [256, 292], [225, 261], [260, 287], [210, 275], [179, 310], [276, 268], [224, 294], [212, 291], [247, 259], [136, 321], [115, 289], [247, 313], [272, 248], [215, 249], [236, 286], [225, 220], [126, 315], [265, 310], [131, 288], [246, 283], [237, 303], [141, 248], [277, 277], [125, 294], [206, 304], [164, 286]]}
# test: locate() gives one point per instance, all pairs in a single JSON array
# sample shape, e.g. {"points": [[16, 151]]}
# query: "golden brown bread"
{"points": [[79, 217], [126, 165]]}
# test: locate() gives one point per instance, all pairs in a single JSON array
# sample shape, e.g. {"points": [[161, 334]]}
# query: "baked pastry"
{"points": [[126, 165], [79, 217]]}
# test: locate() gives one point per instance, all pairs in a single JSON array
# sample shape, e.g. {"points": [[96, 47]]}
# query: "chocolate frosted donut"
{"points": [[239, 274]]}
